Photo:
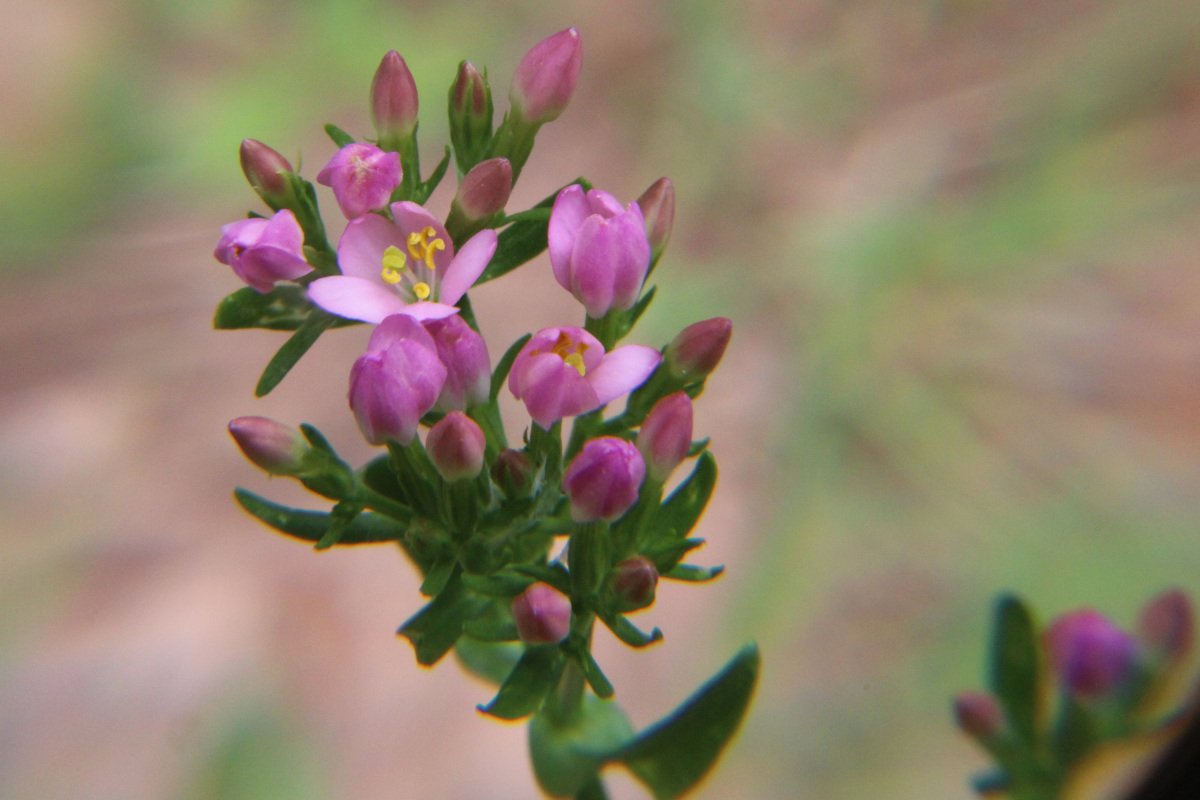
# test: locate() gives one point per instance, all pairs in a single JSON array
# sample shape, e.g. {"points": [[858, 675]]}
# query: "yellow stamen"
{"points": [[422, 248], [575, 360], [393, 264], [421, 290]]}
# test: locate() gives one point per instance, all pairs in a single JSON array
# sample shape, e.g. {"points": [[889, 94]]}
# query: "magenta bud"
{"points": [[455, 445], [1090, 655], [470, 114], [658, 207], [697, 349], [1167, 625], [485, 189], [603, 480], [546, 77], [266, 171], [513, 473], [634, 581], [396, 381], [468, 368], [362, 177], [542, 614], [979, 715], [275, 447], [393, 101], [666, 435]]}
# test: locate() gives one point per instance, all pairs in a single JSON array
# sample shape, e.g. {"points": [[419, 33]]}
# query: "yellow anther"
{"points": [[422, 248], [421, 290], [575, 360], [393, 264]]}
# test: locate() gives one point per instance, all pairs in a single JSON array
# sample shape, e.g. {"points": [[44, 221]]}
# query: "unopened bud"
{"points": [[267, 172], [455, 445], [603, 480], [697, 349], [666, 435], [470, 114], [485, 189], [1167, 625], [979, 715], [1091, 656], [513, 473], [546, 77], [393, 101], [634, 581], [275, 447], [658, 207], [542, 614]]}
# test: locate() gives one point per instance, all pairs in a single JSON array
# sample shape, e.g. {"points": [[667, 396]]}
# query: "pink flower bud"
{"points": [[1166, 625], [1091, 656], [658, 208], [263, 252], [485, 189], [598, 250], [470, 112], [362, 178], [542, 614], [666, 435], [697, 349], [513, 473], [266, 171], [393, 100], [603, 480], [396, 382], [468, 368], [546, 77], [979, 715], [634, 581], [271, 445], [455, 446]]}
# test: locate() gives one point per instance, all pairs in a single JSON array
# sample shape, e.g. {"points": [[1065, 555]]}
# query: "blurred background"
{"points": [[958, 240]]}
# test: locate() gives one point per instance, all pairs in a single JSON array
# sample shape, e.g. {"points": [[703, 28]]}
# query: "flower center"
{"points": [[570, 351], [395, 266]]}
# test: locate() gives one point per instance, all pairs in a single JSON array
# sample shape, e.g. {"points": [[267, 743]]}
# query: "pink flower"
{"points": [[1090, 655], [546, 77], [264, 251], [396, 382], [598, 250], [362, 178], [562, 372], [468, 368], [603, 480], [542, 614], [404, 267], [666, 435]]}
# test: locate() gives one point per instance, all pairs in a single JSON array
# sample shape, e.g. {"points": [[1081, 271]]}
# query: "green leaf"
{"points": [[528, 684], [316, 438], [500, 584], [505, 364], [488, 630], [596, 678], [679, 514], [293, 349], [567, 755], [634, 314], [629, 633], [284, 308], [339, 136], [672, 755], [492, 661], [1015, 664], [435, 628], [439, 172], [666, 555], [438, 576], [311, 526], [524, 238], [693, 573]]}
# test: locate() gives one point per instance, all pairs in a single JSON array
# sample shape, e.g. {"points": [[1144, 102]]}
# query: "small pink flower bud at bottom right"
{"points": [[666, 435], [634, 581], [455, 445], [1167, 625], [604, 479], [979, 715], [542, 614], [698, 348], [1091, 656], [271, 445]]}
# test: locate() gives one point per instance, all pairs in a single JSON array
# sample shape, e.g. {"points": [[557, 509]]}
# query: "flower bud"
{"points": [[275, 447], [603, 480], [362, 178], [396, 382], [470, 114], [634, 581], [979, 715], [1166, 625], [513, 473], [658, 207], [697, 349], [1090, 655], [464, 354], [393, 101], [485, 189], [666, 435], [542, 614], [455, 445], [266, 171], [546, 77], [263, 252]]}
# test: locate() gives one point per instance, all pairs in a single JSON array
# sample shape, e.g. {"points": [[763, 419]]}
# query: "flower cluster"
{"points": [[482, 519]]}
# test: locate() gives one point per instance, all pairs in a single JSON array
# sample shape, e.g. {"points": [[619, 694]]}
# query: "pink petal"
{"points": [[356, 298], [360, 250], [594, 262], [602, 203], [566, 218], [467, 266], [413, 218], [551, 389], [398, 328], [427, 309], [622, 370]]}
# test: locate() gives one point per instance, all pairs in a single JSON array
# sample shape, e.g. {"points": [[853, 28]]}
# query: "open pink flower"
{"points": [[362, 178], [562, 372], [404, 267], [264, 251]]}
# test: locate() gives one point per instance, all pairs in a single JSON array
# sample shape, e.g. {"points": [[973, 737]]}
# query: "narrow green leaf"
{"points": [[526, 687], [284, 308], [435, 628], [439, 172], [487, 630], [595, 676], [492, 661], [505, 364], [340, 520], [672, 755], [634, 314], [311, 526], [523, 239], [693, 573], [293, 349], [666, 555], [500, 584], [680, 512], [629, 633], [316, 438], [339, 136], [438, 576], [1015, 664]]}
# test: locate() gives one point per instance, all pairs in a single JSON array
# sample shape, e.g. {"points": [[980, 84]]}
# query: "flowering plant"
{"points": [[479, 516]]}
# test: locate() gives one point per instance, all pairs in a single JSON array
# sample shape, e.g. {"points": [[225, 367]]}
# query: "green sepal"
{"points": [[500, 584], [437, 626], [693, 574], [439, 574], [596, 678], [697, 447], [316, 438], [311, 526], [1014, 665], [567, 754], [524, 238], [631, 317], [554, 574], [629, 633], [667, 555], [672, 755], [339, 136], [426, 188], [680, 512], [293, 349], [488, 630], [505, 364], [526, 687], [340, 519], [492, 661], [284, 308]]}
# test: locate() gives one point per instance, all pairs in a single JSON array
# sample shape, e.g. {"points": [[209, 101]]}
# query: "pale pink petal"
{"points": [[595, 259], [622, 370], [426, 309], [397, 328], [413, 218], [467, 266], [602, 203], [360, 250], [356, 298], [552, 390], [566, 218]]}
